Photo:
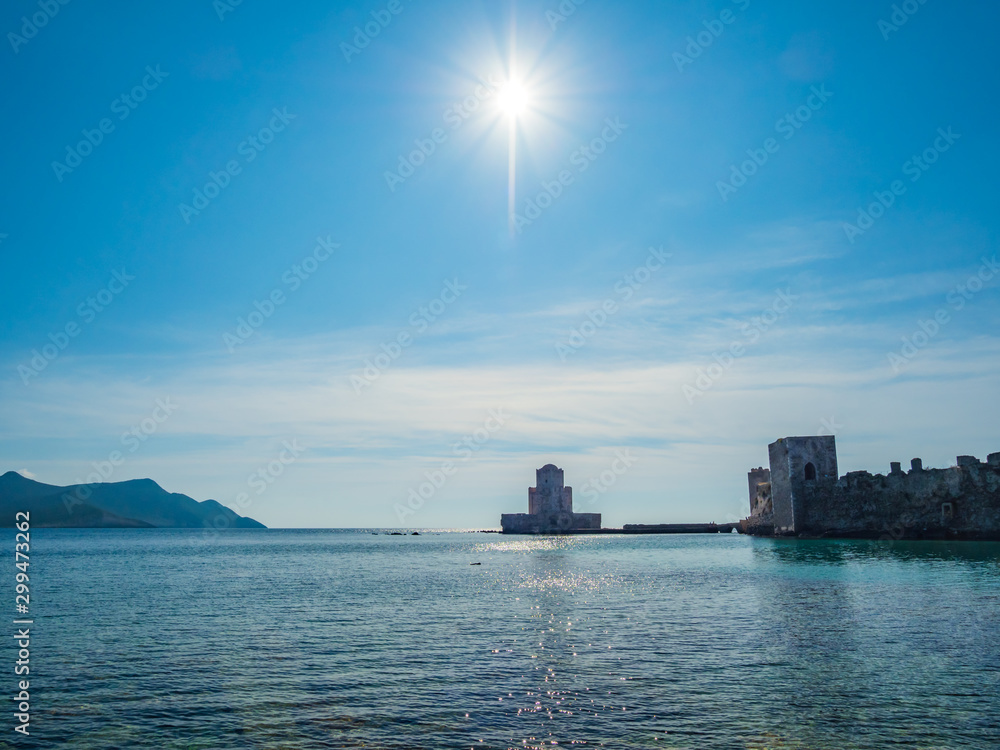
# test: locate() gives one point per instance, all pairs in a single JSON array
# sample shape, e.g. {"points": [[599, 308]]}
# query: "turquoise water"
{"points": [[333, 639]]}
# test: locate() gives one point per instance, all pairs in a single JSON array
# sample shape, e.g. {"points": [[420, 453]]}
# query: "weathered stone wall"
{"points": [[755, 477], [962, 502], [762, 502], [528, 523], [519, 523], [795, 463], [591, 521], [781, 488]]}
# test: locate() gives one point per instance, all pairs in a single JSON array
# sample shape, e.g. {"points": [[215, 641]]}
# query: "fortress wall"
{"points": [[781, 488], [519, 523], [590, 521], [959, 502]]}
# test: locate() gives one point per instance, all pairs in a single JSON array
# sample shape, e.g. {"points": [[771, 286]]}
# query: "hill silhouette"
{"points": [[137, 503]]}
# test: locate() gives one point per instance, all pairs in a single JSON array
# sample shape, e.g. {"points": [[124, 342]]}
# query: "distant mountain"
{"points": [[138, 503]]}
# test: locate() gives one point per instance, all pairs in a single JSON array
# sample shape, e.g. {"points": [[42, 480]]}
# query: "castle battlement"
{"points": [[803, 495]]}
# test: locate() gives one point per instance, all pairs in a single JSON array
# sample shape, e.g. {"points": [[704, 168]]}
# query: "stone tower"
{"points": [[549, 496], [797, 462], [550, 508]]}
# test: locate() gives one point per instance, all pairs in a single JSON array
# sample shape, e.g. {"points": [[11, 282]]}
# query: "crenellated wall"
{"points": [[961, 502], [808, 498]]}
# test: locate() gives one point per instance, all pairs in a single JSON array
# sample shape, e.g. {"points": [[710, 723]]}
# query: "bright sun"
{"points": [[512, 99]]}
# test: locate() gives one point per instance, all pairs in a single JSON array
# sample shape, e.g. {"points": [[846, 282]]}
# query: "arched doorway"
{"points": [[810, 472]]}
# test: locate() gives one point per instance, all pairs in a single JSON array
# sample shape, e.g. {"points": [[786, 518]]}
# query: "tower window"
{"points": [[810, 472]]}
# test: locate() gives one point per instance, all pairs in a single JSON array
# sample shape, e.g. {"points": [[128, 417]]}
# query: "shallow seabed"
{"points": [[344, 639]]}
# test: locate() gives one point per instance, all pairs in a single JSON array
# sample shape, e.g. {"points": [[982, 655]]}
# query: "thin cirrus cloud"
{"points": [[231, 418]]}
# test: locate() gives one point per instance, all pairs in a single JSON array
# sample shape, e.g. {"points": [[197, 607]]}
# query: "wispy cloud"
{"points": [[232, 415]]}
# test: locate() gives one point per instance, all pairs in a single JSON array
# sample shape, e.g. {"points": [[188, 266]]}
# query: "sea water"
{"points": [[350, 639]]}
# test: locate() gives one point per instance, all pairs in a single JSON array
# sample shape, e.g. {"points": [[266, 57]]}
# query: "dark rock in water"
{"points": [[475, 563], [137, 503], [395, 533], [415, 533]]}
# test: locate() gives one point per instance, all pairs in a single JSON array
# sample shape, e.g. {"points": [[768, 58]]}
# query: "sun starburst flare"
{"points": [[512, 99]]}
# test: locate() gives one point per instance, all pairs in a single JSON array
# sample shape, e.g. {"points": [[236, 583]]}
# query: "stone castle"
{"points": [[801, 493], [550, 508]]}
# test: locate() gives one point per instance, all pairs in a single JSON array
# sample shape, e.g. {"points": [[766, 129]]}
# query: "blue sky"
{"points": [[693, 292]]}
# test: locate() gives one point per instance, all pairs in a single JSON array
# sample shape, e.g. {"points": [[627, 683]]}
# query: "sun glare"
{"points": [[512, 99]]}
